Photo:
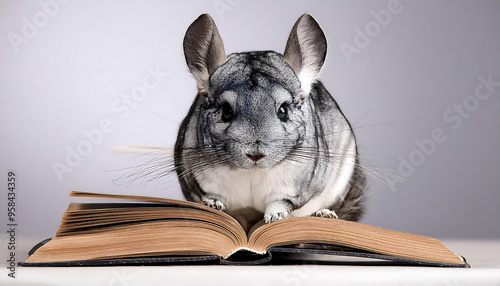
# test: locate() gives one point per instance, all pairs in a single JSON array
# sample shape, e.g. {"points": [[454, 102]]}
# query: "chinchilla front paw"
{"points": [[214, 203], [326, 213], [272, 217], [277, 210]]}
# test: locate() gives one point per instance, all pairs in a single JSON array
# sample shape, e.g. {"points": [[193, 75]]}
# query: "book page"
{"points": [[232, 222], [351, 234]]}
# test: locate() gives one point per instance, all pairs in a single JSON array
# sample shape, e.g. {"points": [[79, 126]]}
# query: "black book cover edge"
{"points": [[254, 259]]}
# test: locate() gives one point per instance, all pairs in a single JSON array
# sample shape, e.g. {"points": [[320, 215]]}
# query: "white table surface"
{"points": [[483, 255]]}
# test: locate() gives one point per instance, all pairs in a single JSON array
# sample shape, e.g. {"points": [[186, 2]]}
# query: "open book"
{"points": [[142, 230]]}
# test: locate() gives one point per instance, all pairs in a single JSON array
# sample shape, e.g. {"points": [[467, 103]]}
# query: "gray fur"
{"points": [[254, 139]]}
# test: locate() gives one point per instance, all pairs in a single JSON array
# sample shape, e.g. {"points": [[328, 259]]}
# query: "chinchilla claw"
{"points": [[214, 203], [326, 213], [275, 217]]}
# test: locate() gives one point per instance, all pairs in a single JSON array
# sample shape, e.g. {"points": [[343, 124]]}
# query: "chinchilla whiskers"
{"points": [[305, 154], [149, 174], [200, 167], [199, 159], [312, 152], [377, 174], [355, 127], [372, 172], [161, 166]]}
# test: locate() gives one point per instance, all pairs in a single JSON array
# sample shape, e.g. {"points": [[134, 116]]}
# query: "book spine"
{"points": [[244, 248]]}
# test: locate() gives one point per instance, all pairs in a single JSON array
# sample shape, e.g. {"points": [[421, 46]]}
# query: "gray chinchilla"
{"points": [[263, 133]]}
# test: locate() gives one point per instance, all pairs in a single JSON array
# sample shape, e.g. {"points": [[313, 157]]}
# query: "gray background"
{"points": [[399, 89]]}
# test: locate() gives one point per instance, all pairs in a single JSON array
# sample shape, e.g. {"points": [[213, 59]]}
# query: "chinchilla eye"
{"points": [[283, 112], [227, 112]]}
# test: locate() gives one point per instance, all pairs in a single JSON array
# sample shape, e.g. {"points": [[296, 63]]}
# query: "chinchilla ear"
{"points": [[204, 51], [305, 51]]}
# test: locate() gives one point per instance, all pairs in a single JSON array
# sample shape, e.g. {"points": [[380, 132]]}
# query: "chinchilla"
{"points": [[263, 133]]}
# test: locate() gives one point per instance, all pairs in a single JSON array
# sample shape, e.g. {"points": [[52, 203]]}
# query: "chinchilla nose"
{"points": [[254, 151], [255, 157]]}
